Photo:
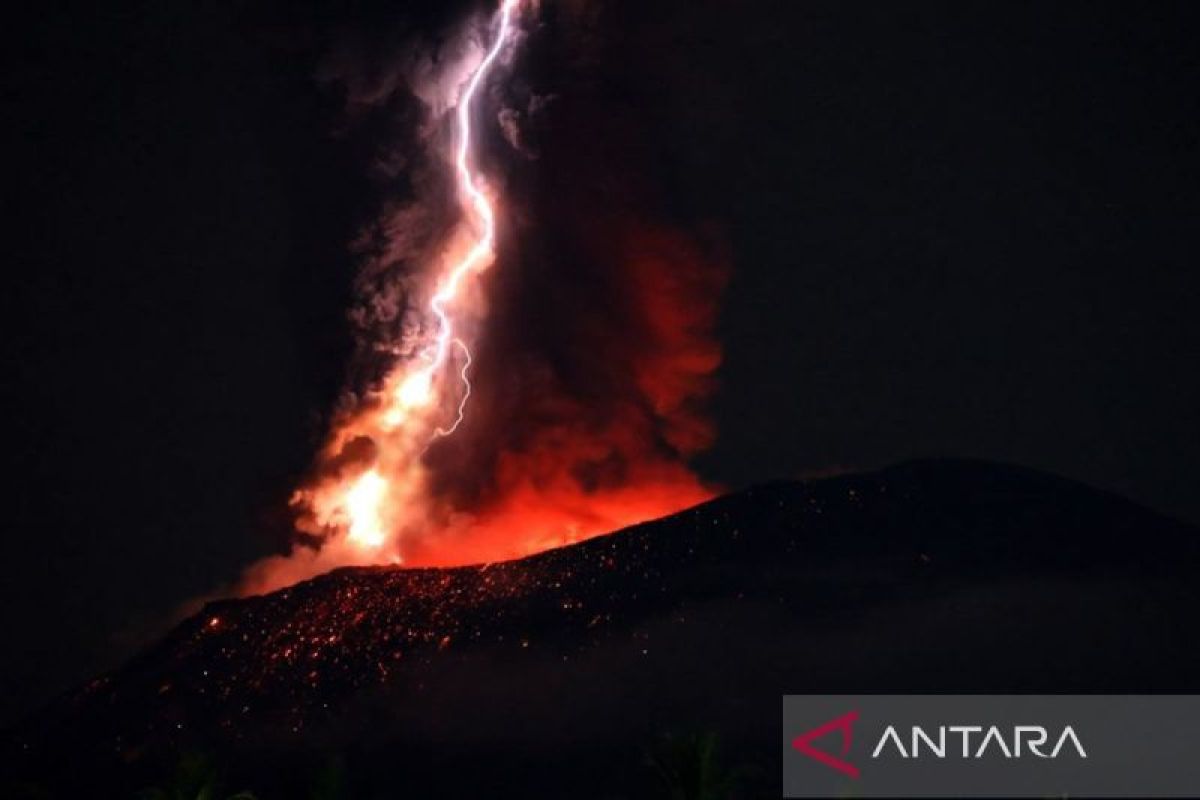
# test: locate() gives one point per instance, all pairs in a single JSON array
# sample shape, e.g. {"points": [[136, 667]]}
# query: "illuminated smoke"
{"points": [[369, 508], [481, 440]]}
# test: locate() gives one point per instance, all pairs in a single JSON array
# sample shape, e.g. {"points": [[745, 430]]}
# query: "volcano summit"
{"points": [[922, 576]]}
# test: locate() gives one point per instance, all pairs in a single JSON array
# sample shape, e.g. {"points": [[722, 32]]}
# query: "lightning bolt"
{"points": [[462, 404], [416, 389], [359, 508]]}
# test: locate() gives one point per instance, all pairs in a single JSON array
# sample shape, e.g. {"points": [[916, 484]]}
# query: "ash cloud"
{"points": [[596, 352], [397, 86]]}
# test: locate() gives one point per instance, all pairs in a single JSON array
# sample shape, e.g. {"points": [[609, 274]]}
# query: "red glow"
{"points": [[591, 468], [415, 474], [367, 509]]}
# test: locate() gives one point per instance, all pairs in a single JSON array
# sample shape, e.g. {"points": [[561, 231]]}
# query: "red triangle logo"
{"points": [[804, 741]]}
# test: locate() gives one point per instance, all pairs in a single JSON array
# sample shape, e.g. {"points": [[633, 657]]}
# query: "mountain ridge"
{"points": [[932, 575]]}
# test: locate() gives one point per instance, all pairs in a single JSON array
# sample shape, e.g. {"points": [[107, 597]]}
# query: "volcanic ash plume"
{"points": [[514, 388]]}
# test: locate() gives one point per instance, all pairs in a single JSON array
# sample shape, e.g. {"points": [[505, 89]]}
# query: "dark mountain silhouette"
{"points": [[555, 675]]}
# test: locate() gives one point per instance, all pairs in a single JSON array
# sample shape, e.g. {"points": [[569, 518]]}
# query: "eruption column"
{"points": [[577, 462], [415, 390], [361, 504]]}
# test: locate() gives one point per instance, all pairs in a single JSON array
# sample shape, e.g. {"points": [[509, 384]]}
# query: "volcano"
{"points": [[561, 673]]}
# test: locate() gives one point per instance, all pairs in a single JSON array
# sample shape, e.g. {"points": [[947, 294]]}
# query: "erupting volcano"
{"points": [[554, 459], [919, 576]]}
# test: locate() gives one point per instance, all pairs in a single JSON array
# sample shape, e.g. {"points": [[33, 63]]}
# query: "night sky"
{"points": [[953, 229]]}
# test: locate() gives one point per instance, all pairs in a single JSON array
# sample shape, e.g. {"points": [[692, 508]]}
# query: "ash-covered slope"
{"points": [[551, 673]]}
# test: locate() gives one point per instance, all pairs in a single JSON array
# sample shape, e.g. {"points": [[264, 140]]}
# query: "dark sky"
{"points": [[955, 229]]}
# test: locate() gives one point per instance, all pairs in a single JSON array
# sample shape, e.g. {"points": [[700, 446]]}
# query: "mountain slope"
{"points": [[552, 673]]}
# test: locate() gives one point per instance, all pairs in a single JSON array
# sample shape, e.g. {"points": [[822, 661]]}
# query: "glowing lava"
{"points": [[368, 507]]}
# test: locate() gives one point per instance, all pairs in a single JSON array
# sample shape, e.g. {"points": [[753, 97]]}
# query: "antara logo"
{"points": [[1023, 740], [1032, 737], [803, 743]]}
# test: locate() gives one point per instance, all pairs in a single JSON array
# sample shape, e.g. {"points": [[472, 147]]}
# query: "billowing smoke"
{"points": [[591, 334]]}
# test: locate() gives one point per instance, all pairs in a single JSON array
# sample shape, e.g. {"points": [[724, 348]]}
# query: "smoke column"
{"points": [[480, 440]]}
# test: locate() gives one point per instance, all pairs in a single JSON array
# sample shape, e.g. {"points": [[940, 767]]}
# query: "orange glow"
{"points": [[413, 408], [532, 518], [363, 501], [516, 474]]}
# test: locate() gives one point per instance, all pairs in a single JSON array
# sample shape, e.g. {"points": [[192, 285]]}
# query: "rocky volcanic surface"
{"points": [[544, 673]]}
